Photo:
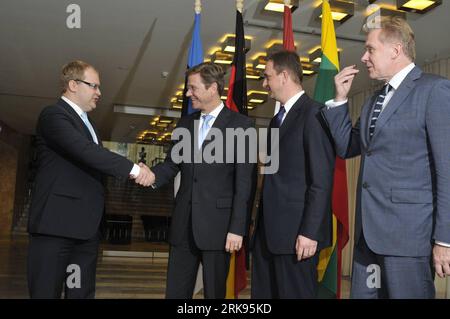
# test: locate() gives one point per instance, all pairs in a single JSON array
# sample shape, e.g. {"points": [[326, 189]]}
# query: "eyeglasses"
{"points": [[92, 85]]}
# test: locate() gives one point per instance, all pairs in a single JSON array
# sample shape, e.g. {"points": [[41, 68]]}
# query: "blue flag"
{"points": [[195, 57]]}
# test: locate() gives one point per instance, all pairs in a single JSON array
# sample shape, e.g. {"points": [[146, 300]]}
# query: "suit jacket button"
{"points": [[365, 185], [195, 180]]}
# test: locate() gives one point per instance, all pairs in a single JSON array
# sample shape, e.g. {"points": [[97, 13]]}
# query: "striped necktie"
{"points": [[378, 108]]}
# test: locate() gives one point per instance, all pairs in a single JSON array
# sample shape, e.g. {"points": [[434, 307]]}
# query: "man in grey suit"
{"points": [[403, 194]]}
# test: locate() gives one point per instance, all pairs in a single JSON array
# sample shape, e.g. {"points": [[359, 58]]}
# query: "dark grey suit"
{"points": [[403, 197]]}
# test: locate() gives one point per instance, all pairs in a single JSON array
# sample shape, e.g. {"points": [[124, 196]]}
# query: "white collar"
{"points": [[74, 106], [216, 111], [400, 76], [293, 100]]}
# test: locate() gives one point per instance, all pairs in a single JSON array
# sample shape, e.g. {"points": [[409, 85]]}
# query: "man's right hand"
{"points": [[343, 82], [146, 177]]}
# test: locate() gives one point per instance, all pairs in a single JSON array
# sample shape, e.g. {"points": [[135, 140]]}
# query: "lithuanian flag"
{"points": [[329, 267]]}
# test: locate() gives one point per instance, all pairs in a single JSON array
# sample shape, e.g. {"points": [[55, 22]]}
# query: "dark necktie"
{"points": [[278, 118], [274, 123], [378, 107]]}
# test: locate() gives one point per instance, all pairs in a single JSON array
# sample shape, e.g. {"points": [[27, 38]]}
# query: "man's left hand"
{"points": [[305, 247], [441, 260], [234, 243]]}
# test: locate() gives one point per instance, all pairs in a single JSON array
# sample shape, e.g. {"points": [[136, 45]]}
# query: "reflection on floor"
{"points": [[133, 271]]}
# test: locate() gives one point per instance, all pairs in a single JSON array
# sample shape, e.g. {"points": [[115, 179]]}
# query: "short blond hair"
{"points": [[394, 28], [73, 71]]}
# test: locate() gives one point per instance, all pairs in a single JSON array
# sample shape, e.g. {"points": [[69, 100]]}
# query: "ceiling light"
{"points": [[418, 6], [309, 69], [229, 42], [220, 57], [341, 11], [252, 73], [374, 19], [315, 55], [260, 62], [176, 105], [224, 94], [257, 97], [278, 5]]}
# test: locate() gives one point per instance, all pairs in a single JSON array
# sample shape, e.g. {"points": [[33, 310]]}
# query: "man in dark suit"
{"points": [[210, 215], [294, 217], [68, 198], [403, 198]]}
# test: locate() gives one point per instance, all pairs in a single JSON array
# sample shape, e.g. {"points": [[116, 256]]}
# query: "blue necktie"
{"points": [[85, 119], [278, 119], [204, 129], [378, 108]]}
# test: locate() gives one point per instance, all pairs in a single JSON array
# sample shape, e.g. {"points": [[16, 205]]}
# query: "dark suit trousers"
{"points": [[184, 260], [378, 276], [48, 261], [281, 276]]}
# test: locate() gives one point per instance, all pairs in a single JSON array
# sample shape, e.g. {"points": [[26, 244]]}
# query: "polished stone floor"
{"points": [[132, 271]]}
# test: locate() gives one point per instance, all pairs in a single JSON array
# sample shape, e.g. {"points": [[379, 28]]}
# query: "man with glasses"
{"points": [[68, 197]]}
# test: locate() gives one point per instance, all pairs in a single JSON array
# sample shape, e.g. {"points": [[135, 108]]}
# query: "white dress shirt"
{"points": [[214, 113], [290, 103]]}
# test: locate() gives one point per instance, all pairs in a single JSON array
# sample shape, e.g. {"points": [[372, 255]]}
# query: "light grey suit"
{"points": [[403, 194]]}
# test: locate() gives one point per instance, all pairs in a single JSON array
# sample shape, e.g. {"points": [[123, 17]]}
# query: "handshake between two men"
{"points": [[145, 177]]}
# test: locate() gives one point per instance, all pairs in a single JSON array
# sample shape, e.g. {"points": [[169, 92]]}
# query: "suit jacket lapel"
{"points": [[82, 127], [399, 96], [95, 131], [220, 123], [289, 121], [291, 117], [193, 129]]}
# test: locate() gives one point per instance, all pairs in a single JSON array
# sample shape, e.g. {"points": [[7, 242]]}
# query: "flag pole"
{"points": [[193, 60], [237, 101], [288, 38], [198, 6]]}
